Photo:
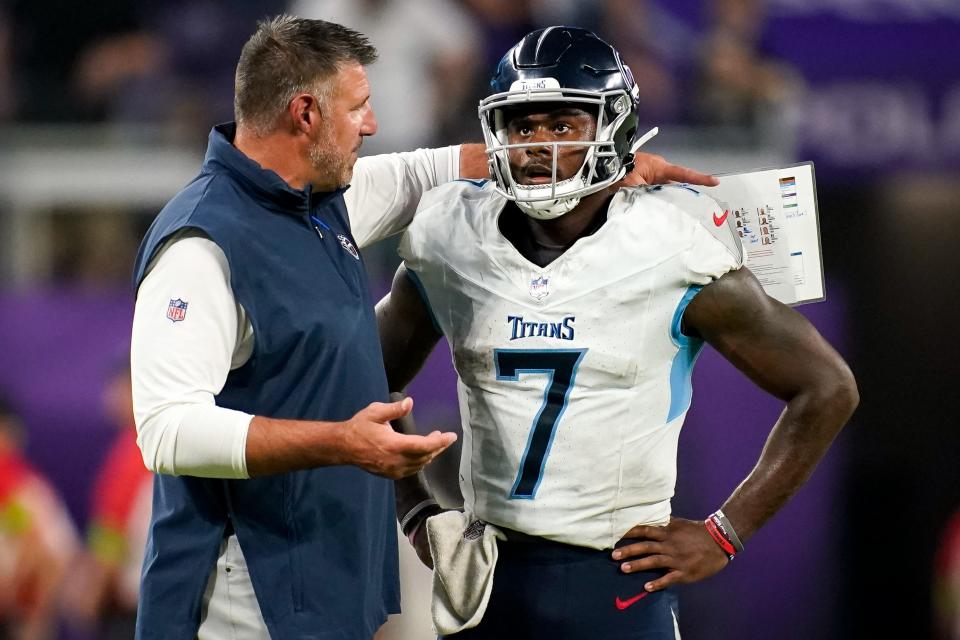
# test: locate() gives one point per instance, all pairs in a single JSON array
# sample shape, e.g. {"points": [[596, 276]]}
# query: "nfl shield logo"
{"points": [[539, 287], [177, 310], [346, 244]]}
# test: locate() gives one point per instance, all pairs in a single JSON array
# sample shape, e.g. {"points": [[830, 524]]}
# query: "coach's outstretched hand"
{"points": [[377, 448], [649, 168], [683, 548]]}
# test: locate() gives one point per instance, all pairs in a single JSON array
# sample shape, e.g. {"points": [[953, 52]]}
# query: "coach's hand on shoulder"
{"points": [[649, 168], [683, 548], [373, 445]]}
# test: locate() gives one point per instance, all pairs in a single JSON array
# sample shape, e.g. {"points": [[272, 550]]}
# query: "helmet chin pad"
{"points": [[548, 209], [551, 200]]}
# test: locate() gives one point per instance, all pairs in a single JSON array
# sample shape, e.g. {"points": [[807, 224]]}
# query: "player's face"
{"points": [[534, 164], [345, 118]]}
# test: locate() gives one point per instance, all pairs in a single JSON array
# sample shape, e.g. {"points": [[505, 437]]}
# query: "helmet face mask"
{"points": [[572, 68]]}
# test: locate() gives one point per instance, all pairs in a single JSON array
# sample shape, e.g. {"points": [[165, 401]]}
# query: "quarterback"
{"points": [[575, 310]]}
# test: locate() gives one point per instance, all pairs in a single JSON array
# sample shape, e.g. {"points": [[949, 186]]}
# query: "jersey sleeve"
{"points": [[715, 247], [431, 225], [411, 248], [709, 257], [386, 189]]}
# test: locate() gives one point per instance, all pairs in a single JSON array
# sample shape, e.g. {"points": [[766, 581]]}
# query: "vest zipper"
{"points": [[317, 223]]}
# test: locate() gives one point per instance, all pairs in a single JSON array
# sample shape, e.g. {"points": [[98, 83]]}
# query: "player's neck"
{"points": [[543, 241], [584, 220]]}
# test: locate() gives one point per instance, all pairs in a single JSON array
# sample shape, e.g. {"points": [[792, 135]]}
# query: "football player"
{"points": [[575, 310]]}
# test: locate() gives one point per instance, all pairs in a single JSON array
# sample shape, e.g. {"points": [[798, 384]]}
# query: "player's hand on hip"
{"points": [[377, 448], [683, 548], [649, 168]]}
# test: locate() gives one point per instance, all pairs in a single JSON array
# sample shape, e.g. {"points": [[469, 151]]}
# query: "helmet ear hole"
{"points": [[610, 167]]}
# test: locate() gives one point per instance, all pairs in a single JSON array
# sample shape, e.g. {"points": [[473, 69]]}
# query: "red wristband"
{"points": [[719, 538]]}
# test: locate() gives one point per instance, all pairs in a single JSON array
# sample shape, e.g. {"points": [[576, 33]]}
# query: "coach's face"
{"points": [[345, 118]]}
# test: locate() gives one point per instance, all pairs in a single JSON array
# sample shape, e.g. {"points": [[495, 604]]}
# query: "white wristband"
{"points": [[414, 512]]}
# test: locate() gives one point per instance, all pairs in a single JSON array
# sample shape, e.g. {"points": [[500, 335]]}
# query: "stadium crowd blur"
{"points": [[104, 111]]}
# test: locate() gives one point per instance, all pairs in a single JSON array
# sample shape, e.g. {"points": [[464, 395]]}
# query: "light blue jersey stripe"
{"points": [[681, 386]]}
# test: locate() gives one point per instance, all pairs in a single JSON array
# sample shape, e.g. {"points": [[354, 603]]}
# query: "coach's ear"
{"points": [[304, 112]]}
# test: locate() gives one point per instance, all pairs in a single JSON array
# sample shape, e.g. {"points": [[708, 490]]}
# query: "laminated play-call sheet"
{"points": [[774, 212]]}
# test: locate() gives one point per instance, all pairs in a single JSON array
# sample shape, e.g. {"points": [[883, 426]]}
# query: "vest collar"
{"points": [[265, 184]]}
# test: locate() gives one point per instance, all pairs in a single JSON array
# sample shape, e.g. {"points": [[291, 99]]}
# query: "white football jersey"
{"points": [[574, 378]]}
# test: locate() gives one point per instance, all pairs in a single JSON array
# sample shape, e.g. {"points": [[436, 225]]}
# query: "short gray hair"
{"points": [[286, 56]]}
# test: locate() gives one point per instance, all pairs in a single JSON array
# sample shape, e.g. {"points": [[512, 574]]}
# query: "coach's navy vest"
{"points": [[320, 544]]}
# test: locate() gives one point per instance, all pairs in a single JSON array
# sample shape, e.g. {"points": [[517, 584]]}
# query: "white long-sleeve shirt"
{"points": [[179, 367]]}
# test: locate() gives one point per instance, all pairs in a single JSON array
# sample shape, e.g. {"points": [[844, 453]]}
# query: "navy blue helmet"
{"points": [[563, 65]]}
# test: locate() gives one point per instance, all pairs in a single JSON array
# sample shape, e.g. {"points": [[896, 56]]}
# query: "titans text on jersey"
{"points": [[521, 328]]}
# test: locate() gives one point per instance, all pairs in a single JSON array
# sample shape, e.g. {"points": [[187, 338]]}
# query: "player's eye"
{"points": [[562, 127]]}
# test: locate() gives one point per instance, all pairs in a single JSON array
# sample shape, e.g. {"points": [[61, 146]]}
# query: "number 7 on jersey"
{"points": [[560, 367]]}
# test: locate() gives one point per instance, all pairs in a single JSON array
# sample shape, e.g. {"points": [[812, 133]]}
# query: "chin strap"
{"points": [[644, 139]]}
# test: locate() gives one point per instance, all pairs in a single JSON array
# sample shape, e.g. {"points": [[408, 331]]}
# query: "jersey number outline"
{"points": [[560, 365]]}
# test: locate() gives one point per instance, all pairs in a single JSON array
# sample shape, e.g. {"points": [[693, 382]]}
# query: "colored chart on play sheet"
{"points": [[798, 195], [774, 213]]}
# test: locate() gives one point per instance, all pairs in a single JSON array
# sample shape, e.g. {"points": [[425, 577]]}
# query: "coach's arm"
{"points": [[785, 355]]}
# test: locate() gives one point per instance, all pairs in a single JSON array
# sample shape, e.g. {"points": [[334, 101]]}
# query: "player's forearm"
{"points": [[795, 446], [410, 492], [279, 446]]}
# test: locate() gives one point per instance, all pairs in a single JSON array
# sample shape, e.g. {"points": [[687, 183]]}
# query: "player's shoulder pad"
{"points": [[454, 191], [448, 207], [698, 205]]}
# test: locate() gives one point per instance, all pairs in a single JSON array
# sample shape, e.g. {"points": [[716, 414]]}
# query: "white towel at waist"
{"points": [[464, 552]]}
